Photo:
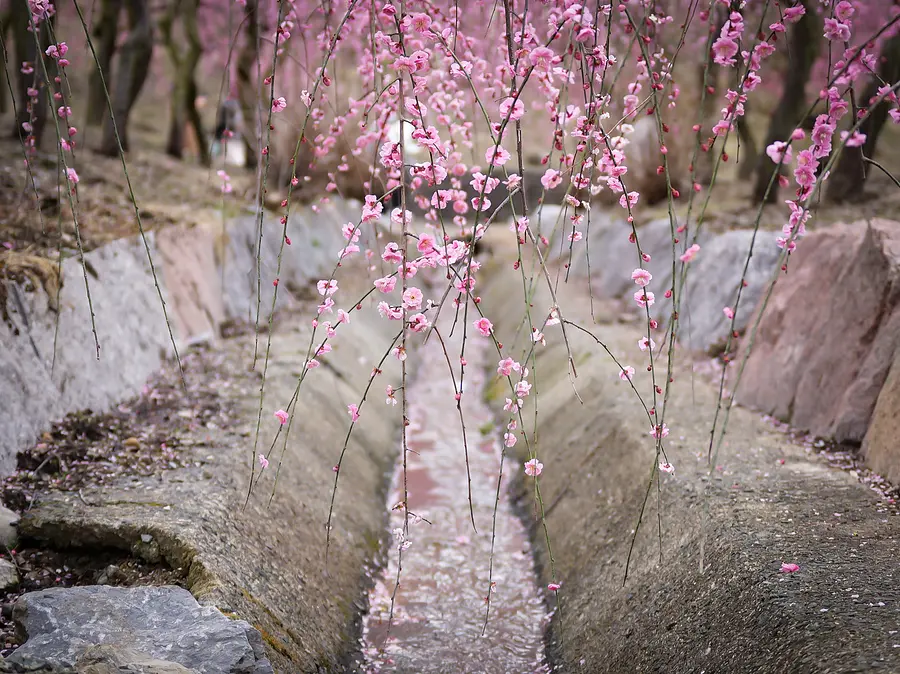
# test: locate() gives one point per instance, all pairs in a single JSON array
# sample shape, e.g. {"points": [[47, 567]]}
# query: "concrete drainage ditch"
{"points": [[768, 501]]}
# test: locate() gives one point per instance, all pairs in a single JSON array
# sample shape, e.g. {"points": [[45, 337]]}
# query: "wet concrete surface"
{"points": [[440, 605]]}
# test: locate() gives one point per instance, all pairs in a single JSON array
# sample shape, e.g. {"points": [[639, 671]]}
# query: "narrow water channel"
{"points": [[439, 606]]}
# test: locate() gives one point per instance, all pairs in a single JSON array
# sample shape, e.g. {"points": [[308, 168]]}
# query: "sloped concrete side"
{"points": [[204, 281], [740, 615], [38, 385], [265, 562]]}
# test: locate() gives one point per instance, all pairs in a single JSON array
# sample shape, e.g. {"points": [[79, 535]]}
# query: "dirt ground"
{"points": [[142, 437]]}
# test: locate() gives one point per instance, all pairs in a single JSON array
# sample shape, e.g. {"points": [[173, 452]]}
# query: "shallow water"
{"points": [[439, 608]]}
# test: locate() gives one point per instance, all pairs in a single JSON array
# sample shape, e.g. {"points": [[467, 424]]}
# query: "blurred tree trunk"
{"points": [[847, 180], [248, 94], [803, 49], [26, 50], [708, 77], [184, 95], [131, 73], [748, 155], [5, 22], [104, 39]]}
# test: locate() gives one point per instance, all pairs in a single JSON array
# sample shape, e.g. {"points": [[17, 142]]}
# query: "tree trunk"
{"points": [[184, 96], [25, 50], [131, 73], [748, 156], [104, 39], [803, 49], [708, 77], [848, 178], [5, 23], [248, 95]]}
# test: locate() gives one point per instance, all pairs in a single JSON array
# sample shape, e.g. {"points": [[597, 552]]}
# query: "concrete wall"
{"points": [[207, 275]]}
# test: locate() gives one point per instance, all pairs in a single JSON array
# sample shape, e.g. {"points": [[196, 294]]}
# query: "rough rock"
{"points": [[164, 622], [264, 562], [613, 257], [28, 664], [187, 263], [9, 575], [713, 280], [881, 446], [117, 660], [740, 614], [9, 534], [829, 334]]}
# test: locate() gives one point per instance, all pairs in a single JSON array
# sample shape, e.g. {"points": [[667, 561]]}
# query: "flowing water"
{"points": [[439, 606]]}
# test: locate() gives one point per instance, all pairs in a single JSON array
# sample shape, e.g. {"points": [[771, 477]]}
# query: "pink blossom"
{"points": [[389, 312], [282, 417], [386, 284], [512, 107], [412, 299], [64, 111], [507, 366], [793, 14], [627, 373], [420, 22], [533, 468], [353, 411], [690, 253], [788, 567], [496, 156], [392, 253], [729, 312], [484, 326], [390, 391], [554, 587], [509, 439], [279, 104], [835, 30], [644, 343], [856, 139], [667, 467], [724, 50], [541, 58], [551, 179], [779, 152], [644, 298], [641, 277], [426, 243], [659, 432], [72, 176], [327, 288], [263, 461], [843, 11], [418, 323]]}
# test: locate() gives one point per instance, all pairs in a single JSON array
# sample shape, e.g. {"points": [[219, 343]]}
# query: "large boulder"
{"points": [[713, 280], [828, 336], [165, 622], [881, 447]]}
